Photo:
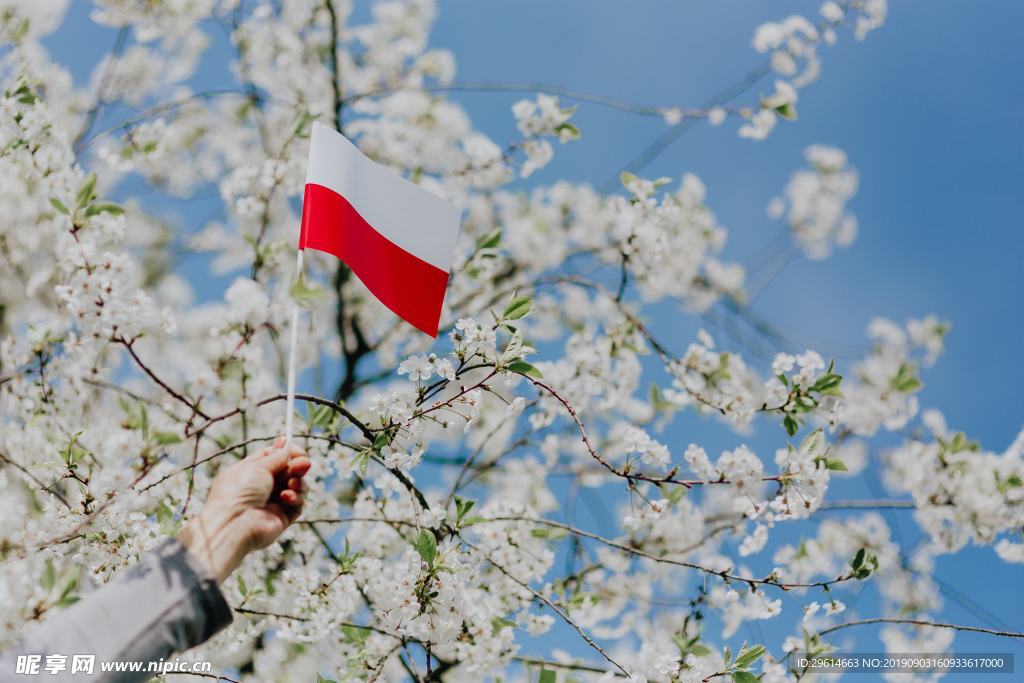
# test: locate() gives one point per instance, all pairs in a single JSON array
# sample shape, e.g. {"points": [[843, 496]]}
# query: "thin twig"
{"points": [[336, 407], [101, 88], [922, 622], [161, 108], [868, 505], [548, 664], [669, 478], [565, 617], [42, 487], [536, 87], [665, 140], [679, 563], [236, 446], [128, 344]]}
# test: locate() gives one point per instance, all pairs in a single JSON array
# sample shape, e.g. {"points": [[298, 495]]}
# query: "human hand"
{"points": [[250, 504]]}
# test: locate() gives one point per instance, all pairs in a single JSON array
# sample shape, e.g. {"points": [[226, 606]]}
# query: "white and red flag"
{"points": [[397, 237]]}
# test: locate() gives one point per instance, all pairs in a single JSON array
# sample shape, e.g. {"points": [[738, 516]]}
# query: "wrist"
{"points": [[215, 542]]}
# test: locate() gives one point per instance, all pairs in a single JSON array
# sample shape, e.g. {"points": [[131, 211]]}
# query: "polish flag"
{"points": [[397, 237]]}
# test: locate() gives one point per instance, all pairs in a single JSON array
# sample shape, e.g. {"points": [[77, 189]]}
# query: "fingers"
{"points": [[278, 444], [288, 466], [296, 467], [293, 449], [292, 498], [292, 512], [277, 459], [299, 464], [294, 485]]}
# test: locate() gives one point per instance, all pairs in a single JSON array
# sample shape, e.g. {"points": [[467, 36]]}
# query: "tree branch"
{"points": [[153, 376], [921, 622], [565, 617]]}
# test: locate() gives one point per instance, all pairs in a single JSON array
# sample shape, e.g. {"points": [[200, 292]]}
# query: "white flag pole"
{"points": [[289, 423]]}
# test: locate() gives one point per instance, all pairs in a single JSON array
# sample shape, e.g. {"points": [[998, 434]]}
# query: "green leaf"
{"points": [[568, 131], [906, 380], [834, 463], [805, 404], [59, 205], [814, 443], [749, 656], [787, 111], [17, 33], [167, 438], [743, 677], [356, 634], [49, 577], [490, 240], [462, 507], [958, 444], [85, 192], [858, 559], [863, 565], [73, 453], [68, 582], [104, 207], [499, 623], [319, 415], [301, 123], [658, 401], [828, 384], [791, 425], [164, 515], [546, 676], [519, 307], [674, 494], [521, 367], [426, 546], [627, 178], [303, 292]]}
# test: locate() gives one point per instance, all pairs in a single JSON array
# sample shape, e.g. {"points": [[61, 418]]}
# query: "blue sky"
{"points": [[930, 110]]}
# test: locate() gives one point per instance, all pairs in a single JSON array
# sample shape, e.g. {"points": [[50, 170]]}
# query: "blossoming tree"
{"points": [[441, 532]]}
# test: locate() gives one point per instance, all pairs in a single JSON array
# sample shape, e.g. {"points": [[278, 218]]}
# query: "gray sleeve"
{"points": [[166, 603]]}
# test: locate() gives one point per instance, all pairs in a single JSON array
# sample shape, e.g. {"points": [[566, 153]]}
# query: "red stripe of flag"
{"points": [[405, 283]]}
